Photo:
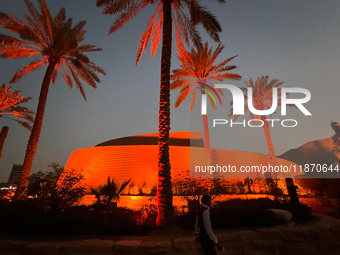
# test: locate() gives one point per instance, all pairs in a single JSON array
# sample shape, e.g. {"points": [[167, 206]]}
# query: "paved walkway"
{"points": [[320, 237]]}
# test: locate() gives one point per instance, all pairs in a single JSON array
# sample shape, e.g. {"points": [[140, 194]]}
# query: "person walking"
{"points": [[206, 237]]}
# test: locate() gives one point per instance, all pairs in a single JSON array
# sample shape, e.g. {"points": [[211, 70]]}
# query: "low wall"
{"points": [[321, 236]]}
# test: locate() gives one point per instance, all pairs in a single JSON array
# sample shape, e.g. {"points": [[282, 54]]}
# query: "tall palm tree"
{"points": [[9, 105], [200, 67], [262, 100], [168, 14], [58, 42]]}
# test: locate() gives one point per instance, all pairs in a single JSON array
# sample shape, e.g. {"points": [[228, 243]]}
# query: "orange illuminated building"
{"points": [[136, 158]]}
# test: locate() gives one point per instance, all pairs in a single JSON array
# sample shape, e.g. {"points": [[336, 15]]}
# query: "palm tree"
{"points": [[199, 65], [262, 100], [168, 14], [110, 191], [9, 105], [58, 41]]}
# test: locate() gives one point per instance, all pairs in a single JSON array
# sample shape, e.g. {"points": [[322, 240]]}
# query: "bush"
{"points": [[57, 189], [26, 218], [237, 213], [29, 218], [321, 187]]}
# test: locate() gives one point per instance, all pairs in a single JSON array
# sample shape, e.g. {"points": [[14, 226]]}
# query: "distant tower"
{"points": [[15, 174]]}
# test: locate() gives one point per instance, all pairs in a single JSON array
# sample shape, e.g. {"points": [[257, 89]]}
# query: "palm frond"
{"points": [[104, 2], [220, 91], [17, 52], [67, 77], [23, 111], [125, 17], [116, 6], [33, 33], [46, 19], [34, 12], [229, 76], [178, 83], [179, 20], [76, 79], [212, 103], [79, 26], [88, 48], [6, 40], [11, 23], [195, 13], [27, 69], [9, 105], [193, 33], [145, 37], [222, 65], [210, 23], [123, 186], [54, 75], [96, 68], [157, 34], [184, 92], [182, 53], [193, 100], [59, 18], [24, 124]]}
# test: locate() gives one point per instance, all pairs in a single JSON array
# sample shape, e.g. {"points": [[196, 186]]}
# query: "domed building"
{"points": [[136, 158]]}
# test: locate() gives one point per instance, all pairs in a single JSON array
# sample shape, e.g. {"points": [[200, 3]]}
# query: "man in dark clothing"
{"points": [[206, 236]]}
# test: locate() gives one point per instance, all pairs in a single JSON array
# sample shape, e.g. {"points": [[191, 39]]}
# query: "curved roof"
{"points": [[139, 163], [192, 139]]}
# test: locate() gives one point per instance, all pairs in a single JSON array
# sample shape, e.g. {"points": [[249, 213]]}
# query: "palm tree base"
{"points": [[20, 194]]}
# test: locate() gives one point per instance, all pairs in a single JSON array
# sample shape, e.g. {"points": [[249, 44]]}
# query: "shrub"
{"points": [[108, 194], [236, 213], [27, 218], [321, 187], [57, 189]]}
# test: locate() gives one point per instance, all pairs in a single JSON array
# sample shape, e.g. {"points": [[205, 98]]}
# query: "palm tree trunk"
{"points": [[271, 154], [3, 135], [35, 134], [206, 131], [164, 191], [269, 140]]}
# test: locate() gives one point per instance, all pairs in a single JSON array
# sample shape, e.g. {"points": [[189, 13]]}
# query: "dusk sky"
{"points": [[297, 42]]}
